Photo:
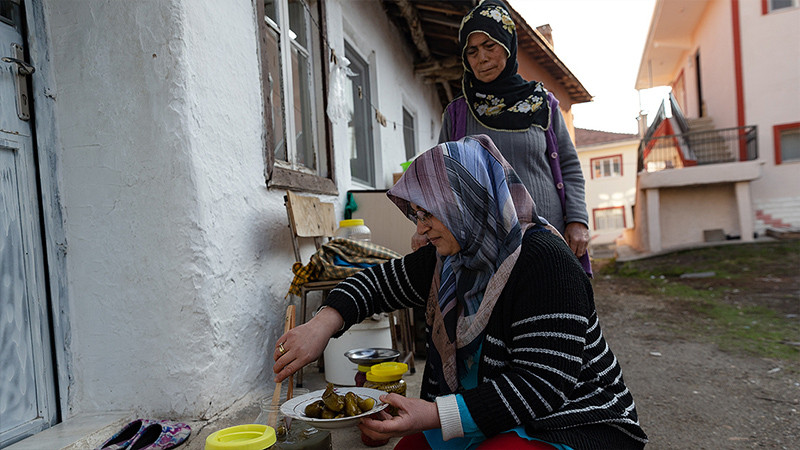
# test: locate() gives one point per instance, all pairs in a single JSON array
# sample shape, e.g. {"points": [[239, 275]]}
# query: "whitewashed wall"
{"points": [[177, 254], [366, 27], [771, 62]]}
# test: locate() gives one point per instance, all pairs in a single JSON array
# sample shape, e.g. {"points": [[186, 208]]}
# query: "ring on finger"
{"points": [[281, 349]]}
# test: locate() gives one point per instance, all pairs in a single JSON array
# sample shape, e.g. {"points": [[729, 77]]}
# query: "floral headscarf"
{"points": [[475, 193], [509, 102]]}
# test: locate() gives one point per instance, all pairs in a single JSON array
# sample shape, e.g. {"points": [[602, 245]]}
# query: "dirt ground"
{"points": [[690, 394]]}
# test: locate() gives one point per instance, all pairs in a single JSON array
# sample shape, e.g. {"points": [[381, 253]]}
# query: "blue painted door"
{"points": [[27, 383]]}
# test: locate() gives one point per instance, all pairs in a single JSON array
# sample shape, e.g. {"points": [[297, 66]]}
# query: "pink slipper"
{"points": [[161, 435]]}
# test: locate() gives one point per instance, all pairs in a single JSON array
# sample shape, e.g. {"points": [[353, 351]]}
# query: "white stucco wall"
{"points": [[714, 41], [771, 60], [711, 206], [177, 254], [175, 265], [369, 31]]}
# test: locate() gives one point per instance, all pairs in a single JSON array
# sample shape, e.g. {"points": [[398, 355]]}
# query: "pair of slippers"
{"points": [[146, 434]]}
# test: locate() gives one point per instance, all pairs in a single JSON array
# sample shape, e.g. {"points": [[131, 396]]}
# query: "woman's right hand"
{"points": [[305, 343]]}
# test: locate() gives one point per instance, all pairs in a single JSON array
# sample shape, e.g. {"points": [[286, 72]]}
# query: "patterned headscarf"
{"points": [[475, 193], [508, 103]]}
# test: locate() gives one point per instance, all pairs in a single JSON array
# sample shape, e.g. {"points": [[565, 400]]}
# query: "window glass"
{"points": [[360, 123], [408, 134], [9, 13], [790, 144], [780, 4], [292, 61], [610, 218], [303, 113], [607, 167]]}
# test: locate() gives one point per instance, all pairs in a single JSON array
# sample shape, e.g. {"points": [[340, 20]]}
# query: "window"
{"points": [[768, 6], [362, 167], [297, 151], [409, 135], [609, 166], [609, 218], [787, 142]]}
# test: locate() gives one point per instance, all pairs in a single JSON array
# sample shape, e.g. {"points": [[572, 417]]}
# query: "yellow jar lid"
{"points": [[388, 371], [364, 369], [351, 222], [242, 437]]}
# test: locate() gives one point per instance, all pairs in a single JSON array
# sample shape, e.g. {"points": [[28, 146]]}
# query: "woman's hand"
{"points": [[305, 343], [414, 415], [577, 236]]}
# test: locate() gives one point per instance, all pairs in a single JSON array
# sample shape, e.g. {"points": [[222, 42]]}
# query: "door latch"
{"points": [[20, 83]]}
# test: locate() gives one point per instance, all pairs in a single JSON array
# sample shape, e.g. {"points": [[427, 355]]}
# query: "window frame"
{"points": [[619, 208], [766, 6], [592, 162], [359, 64], [413, 136], [276, 175], [777, 130]]}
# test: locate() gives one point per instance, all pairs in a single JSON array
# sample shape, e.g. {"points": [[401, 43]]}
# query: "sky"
{"points": [[601, 42]]}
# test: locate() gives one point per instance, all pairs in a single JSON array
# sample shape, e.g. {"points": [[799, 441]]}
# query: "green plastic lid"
{"points": [[242, 437], [388, 371]]}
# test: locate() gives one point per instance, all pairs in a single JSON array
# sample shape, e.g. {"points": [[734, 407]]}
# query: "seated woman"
{"points": [[516, 357]]}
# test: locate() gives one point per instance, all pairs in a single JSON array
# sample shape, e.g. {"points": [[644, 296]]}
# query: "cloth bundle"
{"points": [[337, 259]]}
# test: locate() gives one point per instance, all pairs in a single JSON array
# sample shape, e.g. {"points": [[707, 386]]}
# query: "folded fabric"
{"points": [[339, 258], [145, 434]]}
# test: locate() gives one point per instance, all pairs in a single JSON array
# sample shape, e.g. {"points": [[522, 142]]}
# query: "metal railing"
{"points": [[698, 148]]}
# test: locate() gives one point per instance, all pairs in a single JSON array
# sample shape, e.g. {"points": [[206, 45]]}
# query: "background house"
{"points": [[723, 163], [145, 150], [609, 163]]}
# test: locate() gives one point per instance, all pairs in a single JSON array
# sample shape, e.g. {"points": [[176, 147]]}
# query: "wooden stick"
{"points": [[276, 396], [290, 319]]}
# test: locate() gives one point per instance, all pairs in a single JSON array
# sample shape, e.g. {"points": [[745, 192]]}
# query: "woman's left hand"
{"points": [[577, 237], [414, 415]]}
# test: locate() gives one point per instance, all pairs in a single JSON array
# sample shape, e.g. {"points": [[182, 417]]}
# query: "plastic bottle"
{"points": [[353, 229]]}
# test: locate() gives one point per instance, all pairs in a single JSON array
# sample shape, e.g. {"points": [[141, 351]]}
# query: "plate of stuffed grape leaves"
{"points": [[334, 407]]}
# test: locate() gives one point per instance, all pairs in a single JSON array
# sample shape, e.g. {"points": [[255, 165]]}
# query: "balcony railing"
{"points": [[698, 148]]}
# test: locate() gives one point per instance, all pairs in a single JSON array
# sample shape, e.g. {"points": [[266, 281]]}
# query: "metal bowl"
{"points": [[370, 356]]}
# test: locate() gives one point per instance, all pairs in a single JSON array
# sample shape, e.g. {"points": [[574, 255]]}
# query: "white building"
{"points": [[145, 253], [608, 161], [733, 151]]}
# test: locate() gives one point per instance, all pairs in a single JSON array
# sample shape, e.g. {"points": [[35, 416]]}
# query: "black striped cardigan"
{"points": [[544, 362]]}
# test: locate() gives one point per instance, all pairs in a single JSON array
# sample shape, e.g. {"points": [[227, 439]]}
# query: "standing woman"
{"points": [[520, 117], [516, 357]]}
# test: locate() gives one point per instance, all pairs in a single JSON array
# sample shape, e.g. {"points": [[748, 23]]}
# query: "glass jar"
{"points": [[388, 377], [353, 229], [298, 434], [361, 375]]}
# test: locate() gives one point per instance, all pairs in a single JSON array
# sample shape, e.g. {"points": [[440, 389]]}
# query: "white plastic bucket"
{"points": [[369, 333]]}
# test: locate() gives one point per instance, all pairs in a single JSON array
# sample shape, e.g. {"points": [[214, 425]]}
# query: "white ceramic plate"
{"points": [[295, 408]]}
